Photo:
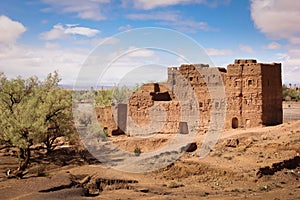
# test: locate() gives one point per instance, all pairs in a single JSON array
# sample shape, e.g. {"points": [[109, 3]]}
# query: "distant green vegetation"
{"points": [[33, 112], [115, 95], [105, 97], [290, 93]]}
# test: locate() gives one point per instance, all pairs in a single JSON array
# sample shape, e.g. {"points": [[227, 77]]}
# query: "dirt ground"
{"points": [[291, 110], [256, 163]]}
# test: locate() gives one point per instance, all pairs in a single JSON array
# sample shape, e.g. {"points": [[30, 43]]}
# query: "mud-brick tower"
{"points": [[254, 94]]}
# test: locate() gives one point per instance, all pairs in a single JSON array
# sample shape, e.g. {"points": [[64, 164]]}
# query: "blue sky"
{"points": [[40, 36]]}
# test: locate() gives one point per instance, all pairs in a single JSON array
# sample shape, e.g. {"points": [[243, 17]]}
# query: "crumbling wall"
{"points": [[105, 117], [144, 110], [139, 107], [253, 97], [203, 81]]}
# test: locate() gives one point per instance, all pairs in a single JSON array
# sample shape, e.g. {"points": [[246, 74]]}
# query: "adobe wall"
{"points": [[253, 97], [254, 93], [244, 94], [272, 94], [199, 77], [105, 117], [146, 114]]}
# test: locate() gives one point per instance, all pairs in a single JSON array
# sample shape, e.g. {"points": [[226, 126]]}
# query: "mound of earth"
{"points": [[256, 163]]}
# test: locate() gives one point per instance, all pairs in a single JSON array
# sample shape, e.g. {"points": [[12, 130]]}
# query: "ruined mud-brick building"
{"points": [[252, 96]]}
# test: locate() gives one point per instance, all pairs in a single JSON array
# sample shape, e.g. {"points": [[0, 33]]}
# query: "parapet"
{"points": [[244, 61]]}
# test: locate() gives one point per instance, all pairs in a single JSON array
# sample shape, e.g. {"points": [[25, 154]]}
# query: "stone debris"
{"points": [[292, 163], [232, 143]]}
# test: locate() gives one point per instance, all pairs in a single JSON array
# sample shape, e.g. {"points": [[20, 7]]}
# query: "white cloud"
{"points": [[85, 9], [272, 46], [57, 32], [10, 30], [137, 65], [172, 19], [188, 26], [140, 53], [60, 32], [98, 41], [18, 59], [147, 5], [290, 65], [82, 31], [165, 16], [106, 41], [28, 61], [50, 45], [246, 48], [218, 52], [277, 19], [125, 28]]}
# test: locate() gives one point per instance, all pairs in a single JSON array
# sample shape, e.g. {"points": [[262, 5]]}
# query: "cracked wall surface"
{"points": [[253, 97]]}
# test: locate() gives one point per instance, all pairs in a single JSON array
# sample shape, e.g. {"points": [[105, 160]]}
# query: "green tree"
{"points": [[116, 95], [104, 97], [33, 112], [56, 108], [95, 130], [89, 95], [290, 93], [120, 94], [136, 88]]}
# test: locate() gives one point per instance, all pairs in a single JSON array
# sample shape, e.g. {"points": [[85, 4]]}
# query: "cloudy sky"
{"points": [[40, 36]]}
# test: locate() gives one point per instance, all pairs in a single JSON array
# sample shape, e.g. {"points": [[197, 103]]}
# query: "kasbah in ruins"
{"points": [[253, 98]]}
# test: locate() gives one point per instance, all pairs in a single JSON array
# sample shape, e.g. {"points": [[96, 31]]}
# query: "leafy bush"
{"points": [[103, 97], [115, 95], [137, 150], [290, 94]]}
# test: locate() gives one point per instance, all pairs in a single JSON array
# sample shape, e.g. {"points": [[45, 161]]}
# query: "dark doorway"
{"points": [[235, 122]]}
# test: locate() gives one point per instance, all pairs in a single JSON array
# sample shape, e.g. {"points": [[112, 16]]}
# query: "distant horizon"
{"points": [[113, 84]]}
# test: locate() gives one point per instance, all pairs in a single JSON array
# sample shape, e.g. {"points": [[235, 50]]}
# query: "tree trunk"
{"points": [[49, 145], [23, 165], [22, 153]]}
